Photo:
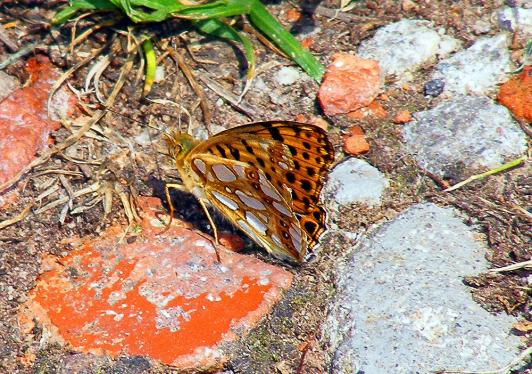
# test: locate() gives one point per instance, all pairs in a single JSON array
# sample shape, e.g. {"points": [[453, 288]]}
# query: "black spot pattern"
{"points": [[306, 185], [290, 177], [235, 153], [310, 226], [276, 134], [292, 150], [221, 150], [310, 171]]}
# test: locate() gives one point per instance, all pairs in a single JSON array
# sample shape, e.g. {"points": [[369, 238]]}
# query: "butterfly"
{"points": [[265, 177]]}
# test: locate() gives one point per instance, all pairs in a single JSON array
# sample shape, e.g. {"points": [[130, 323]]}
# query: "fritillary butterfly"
{"points": [[265, 177]]}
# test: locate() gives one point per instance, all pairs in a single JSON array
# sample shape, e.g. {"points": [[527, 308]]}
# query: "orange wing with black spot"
{"points": [[293, 157]]}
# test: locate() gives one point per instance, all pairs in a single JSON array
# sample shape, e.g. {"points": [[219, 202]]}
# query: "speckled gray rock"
{"points": [[476, 70], [515, 19], [460, 136], [403, 46], [351, 181], [401, 305]]}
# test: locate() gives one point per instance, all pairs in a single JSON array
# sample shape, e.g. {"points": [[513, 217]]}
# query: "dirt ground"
{"points": [[292, 331]]}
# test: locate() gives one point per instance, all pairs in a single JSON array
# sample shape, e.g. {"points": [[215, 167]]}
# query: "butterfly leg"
{"points": [[167, 187], [214, 229]]}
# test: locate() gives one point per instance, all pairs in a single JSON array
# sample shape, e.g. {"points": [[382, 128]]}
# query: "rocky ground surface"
{"points": [[401, 281]]}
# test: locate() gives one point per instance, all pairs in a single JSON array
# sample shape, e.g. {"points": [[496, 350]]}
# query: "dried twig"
{"points": [[17, 218], [231, 98], [71, 71], [518, 265], [178, 58]]}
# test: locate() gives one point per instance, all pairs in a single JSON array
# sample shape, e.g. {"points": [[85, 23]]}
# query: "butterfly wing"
{"points": [[243, 193], [293, 157]]}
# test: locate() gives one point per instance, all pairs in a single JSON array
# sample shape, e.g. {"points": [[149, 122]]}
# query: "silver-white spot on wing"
{"points": [[267, 188], [256, 223], [247, 229], [223, 173], [200, 165], [227, 189], [281, 208], [276, 240], [250, 201], [262, 217], [283, 165], [225, 200], [295, 234], [240, 171]]}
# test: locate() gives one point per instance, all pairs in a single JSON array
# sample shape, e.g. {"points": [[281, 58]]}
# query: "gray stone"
{"points": [[401, 306], [460, 136], [515, 19], [476, 70], [403, 46], [351, 181]]}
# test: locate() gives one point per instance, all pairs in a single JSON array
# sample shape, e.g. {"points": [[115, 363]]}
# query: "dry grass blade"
{"points": [[58, 148], [124, 72], [232, 99], [93, 76], [84, 35], [519, 265], [180, 61], [70, 71], [17, 218], [496, 170]]}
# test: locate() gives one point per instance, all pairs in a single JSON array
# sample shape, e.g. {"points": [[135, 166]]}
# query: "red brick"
{"points": [[24, 122], [163, 296]]}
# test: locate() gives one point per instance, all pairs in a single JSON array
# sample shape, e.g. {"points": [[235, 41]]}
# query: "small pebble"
{"points": [[434, 87]]}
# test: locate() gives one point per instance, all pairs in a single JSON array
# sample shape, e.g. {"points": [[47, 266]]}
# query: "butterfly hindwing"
{"points": [[243, 193]]}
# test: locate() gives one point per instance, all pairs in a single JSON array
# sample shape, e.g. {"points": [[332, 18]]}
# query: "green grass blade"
{"points": [[151, 66], [64, 15], [267, 24]]}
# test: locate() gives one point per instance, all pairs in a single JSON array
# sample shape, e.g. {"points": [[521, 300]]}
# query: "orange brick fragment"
{"points": [[307, 42], [355, 143], [403, 116], [292, 15], [516, 94], [350, 83], [162, 296]]}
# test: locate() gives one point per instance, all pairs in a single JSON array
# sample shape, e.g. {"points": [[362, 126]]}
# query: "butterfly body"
{"points": [[264, 177]]}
